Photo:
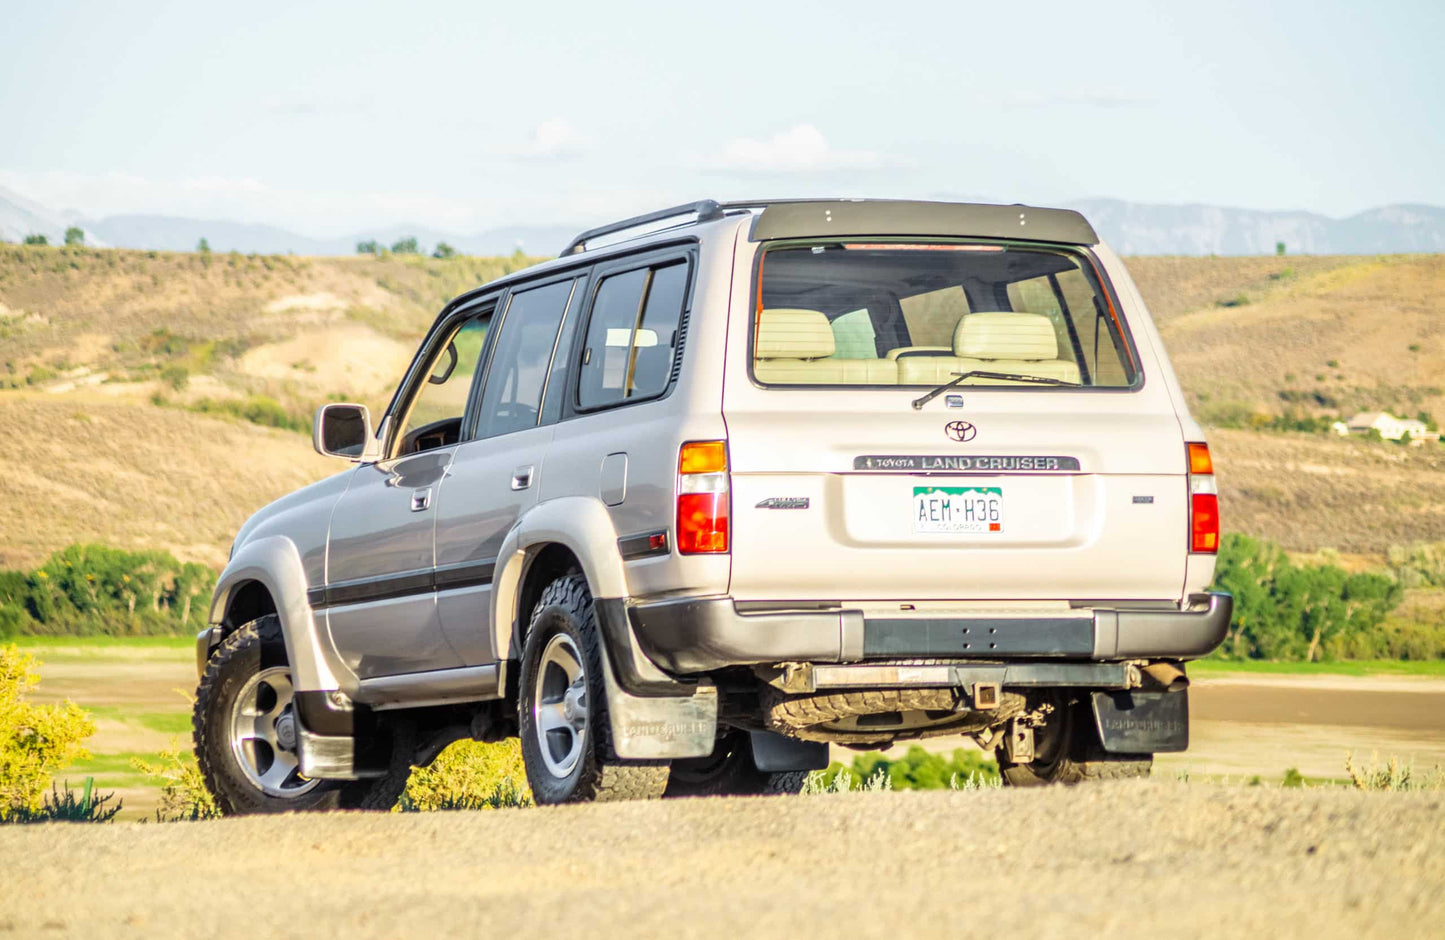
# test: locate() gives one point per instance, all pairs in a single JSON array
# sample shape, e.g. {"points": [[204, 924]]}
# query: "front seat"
{"points": [[994, 341]]}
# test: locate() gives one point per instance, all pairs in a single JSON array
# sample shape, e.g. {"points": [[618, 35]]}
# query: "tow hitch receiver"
{"points": [[1142, 722]]}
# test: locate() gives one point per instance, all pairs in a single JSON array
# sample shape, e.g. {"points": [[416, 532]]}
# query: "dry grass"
{"points": [[137, 476], [1380, 321], [97, 462], [1309, 492]]}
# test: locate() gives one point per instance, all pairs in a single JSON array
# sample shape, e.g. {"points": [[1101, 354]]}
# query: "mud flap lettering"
{"points": [[655, 728], [1142, 722]]}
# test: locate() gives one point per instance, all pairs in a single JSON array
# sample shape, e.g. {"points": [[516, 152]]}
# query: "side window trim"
{"points": [[650, 260], [471, 424]]}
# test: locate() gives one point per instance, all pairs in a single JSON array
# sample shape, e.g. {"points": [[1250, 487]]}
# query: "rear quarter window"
{"points": [[632, 335]]}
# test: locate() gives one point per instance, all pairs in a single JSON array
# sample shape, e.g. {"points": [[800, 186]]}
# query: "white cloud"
{"points": [[800, 149]]}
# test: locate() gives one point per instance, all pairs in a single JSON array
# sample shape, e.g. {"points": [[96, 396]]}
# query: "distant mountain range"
{"points": [[1130, 228]]}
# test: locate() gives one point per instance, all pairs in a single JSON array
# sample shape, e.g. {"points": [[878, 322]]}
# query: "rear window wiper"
{"points": [[919, 402]]}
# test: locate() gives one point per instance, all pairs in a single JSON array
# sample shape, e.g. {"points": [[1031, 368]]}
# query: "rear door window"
{"points": [[512, 395], [633, 335], [921, 314]]}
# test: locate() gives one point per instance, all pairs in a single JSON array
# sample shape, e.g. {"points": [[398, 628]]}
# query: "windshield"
{"points": [[891, 314]]}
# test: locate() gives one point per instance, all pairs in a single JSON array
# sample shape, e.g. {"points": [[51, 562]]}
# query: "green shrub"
{"points": [[176, 376], [469, 775], [184, 797], [90, 590], [1419, 565], [918, 769], [36, 240], [1288, 611], [75, 235], [89, 807], [1391, 776], [35, 740], [258, 409]]}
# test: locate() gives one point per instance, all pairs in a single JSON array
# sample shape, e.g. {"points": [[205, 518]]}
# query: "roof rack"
{"points": [[706, 209], [792, 218]]}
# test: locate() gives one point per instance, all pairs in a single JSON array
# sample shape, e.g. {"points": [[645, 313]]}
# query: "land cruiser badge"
{"points": [[784, 502]]}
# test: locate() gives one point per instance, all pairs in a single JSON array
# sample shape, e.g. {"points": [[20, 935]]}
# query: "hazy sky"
{"points": [[327, 117]]}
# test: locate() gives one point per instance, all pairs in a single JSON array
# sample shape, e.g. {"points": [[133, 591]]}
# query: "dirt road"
{"points": [[1145, 859]]}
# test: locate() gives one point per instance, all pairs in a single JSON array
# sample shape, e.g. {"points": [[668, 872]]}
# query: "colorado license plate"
{"points": [[958, 509]]}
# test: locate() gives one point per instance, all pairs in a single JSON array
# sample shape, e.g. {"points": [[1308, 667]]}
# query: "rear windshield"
{"points": [[855, 313]]}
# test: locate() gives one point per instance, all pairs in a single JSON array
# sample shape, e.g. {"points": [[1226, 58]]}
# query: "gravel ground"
{"points": [[1145, 859]]}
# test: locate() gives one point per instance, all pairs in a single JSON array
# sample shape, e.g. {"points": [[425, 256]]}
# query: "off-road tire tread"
{"points": [[370, 794], [797, 715], [605, 778], [1085, 761]]}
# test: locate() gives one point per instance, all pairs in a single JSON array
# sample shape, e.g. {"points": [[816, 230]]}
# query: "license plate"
{"points": [[958, 509]]}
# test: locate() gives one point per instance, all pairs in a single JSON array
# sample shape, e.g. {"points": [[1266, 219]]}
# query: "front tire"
{"points": [[562, 707], [730, 771], [245, 734], [1067, 751]]}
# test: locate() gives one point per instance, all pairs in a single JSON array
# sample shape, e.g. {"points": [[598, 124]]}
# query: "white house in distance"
{"points": [[1390, 427]]}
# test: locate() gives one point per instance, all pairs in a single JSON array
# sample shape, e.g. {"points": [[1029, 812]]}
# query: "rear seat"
{"points": [[994, 341], [795, 345]]}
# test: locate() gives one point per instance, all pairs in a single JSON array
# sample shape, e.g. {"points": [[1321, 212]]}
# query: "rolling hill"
{"points": [[108, 359]]}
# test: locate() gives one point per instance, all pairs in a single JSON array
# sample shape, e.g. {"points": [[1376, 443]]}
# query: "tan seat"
{"points": [[927, 350], [794, 347], [994, 341]]}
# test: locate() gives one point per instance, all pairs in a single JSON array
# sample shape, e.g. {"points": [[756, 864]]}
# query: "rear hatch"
{"points": [[1055, 471]]}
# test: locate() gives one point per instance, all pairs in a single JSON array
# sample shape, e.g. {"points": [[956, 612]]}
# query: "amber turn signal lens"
{"points": [[1199, 459], [703, 457]]}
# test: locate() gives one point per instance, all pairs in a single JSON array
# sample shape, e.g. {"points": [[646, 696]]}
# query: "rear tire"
{"points": [[562, 707], [1067, 751], [244, 730], [730, 771]]}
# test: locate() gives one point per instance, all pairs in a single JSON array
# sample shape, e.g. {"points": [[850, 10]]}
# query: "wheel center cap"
{"points": [[571, 704], [286, 732]]}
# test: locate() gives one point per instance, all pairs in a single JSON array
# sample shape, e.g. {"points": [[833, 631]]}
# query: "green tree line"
{"points": [[95, 590], [1312, 612]]}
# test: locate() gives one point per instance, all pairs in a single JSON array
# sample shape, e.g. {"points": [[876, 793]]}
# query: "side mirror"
{"points": [[342, 430]]}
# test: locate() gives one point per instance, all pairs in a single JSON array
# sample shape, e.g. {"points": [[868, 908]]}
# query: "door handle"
{"points": [[420, 499], [521, 478]]}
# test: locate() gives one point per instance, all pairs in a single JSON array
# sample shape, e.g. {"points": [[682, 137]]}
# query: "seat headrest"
{"points": [[1003, 335], [785, 333]]}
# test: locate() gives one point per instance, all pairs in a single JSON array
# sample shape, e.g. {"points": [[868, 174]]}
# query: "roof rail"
{"points": [[706, 209]]}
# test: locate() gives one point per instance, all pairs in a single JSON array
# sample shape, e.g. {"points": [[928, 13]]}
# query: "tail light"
{"points": [[1203, 502], [703, 498]]}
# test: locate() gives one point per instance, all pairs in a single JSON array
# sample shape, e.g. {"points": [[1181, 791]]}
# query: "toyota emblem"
{"points": [[960, 431]]}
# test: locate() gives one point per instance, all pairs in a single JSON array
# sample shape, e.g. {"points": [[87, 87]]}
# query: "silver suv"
{"points": [[723, 485]]}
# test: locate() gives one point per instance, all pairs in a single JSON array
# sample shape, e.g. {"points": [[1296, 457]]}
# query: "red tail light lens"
{"points": [[1204, 523], [702, 523], [703, 498]]}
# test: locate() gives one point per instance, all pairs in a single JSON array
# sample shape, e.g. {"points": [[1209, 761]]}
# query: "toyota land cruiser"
{"points": [[723, 485]]}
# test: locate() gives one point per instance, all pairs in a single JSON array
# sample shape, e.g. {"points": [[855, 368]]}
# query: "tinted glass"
{"points": [[632, 336], [888, 314], [512, 396], [652, 364]]}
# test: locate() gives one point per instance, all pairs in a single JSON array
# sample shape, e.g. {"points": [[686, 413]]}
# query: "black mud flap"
{"points": [[1142, 722]]}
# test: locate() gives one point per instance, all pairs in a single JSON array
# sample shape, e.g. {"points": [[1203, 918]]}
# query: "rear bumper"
{"points": [[699, 635]]}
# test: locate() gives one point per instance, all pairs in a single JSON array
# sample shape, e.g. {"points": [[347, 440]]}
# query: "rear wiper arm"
{"points": [[922, 400]]}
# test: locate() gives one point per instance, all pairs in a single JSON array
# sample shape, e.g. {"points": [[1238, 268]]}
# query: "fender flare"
{"points": [[581, 524], [275, 563]]}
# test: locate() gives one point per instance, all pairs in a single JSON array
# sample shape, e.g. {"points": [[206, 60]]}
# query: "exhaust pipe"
{"points": [[1166, 676]]}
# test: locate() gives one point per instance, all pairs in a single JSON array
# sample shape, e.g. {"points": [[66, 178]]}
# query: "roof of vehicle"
{"points": [[808, 218]]}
